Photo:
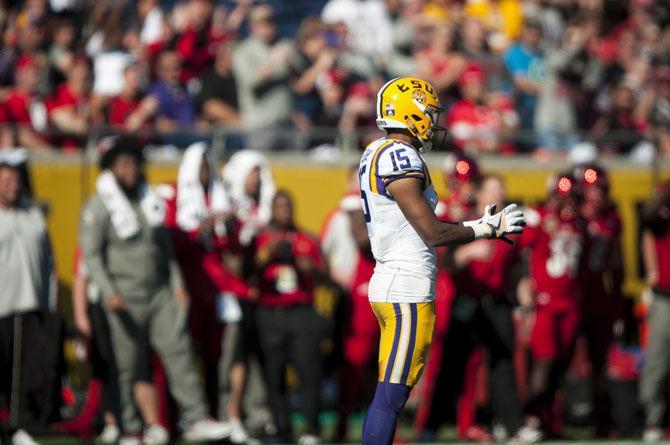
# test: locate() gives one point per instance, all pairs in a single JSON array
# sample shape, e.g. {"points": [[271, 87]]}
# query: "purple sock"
{"points": [[382, 415]]}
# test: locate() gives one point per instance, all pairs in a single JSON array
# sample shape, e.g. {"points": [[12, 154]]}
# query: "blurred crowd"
{"points": [[516, 75], [203, 300]]}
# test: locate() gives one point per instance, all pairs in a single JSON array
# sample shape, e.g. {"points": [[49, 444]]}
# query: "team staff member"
{"points": [[288, 261], [27, 294], [128, 254], [399, 200]]}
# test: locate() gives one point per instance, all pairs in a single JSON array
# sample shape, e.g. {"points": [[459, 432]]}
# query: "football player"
{"points": [[399, 200], [603, 277], [557, 243]]}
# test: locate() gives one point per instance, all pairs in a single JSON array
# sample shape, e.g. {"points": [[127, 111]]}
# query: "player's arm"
{"points": [[408, 195], [359, 229]]}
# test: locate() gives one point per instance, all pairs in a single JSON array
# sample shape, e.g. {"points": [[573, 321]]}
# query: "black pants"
{"points": [[6, 358], [31, 367], [6, 371], [291, 334], [475, 321], [102, 361]]}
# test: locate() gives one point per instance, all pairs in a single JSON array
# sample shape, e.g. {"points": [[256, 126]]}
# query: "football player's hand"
{"points": [[509, 220]]}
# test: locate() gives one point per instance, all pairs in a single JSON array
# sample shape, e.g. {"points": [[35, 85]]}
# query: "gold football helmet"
{"points": [[411, 104]]}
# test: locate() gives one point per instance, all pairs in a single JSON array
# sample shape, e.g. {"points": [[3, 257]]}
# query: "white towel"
{"points": [[14, 156], [192, 206], [124, 219], [254, 215]]}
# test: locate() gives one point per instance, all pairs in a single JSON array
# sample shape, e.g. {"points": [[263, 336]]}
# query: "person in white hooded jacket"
{"points": [[250, 186], [204, 231]]}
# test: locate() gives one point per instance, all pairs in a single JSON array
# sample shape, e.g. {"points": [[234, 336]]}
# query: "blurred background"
{"points": [[280, 95]]}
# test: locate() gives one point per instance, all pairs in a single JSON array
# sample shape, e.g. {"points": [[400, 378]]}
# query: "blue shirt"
{"points": [[519, 60], [173, 103]]}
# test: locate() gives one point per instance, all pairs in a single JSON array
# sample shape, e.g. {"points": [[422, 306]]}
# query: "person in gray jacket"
{"points": [[27, 294], [128, 254], [260, 66]]}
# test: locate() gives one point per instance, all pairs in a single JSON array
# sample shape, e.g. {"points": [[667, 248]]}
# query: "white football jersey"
{"points": [[405, 269]]}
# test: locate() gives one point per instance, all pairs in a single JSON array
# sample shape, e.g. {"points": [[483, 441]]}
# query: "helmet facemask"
{"points": [[435, 135]]}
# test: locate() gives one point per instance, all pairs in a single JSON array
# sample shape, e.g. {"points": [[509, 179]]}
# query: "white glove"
{"points": [[496, 225]]}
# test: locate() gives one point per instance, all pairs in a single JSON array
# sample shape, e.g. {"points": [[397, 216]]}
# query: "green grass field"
{"points": [[328, 421]]}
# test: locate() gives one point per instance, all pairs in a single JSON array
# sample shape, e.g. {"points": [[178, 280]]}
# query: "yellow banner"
{"points": [[317, 190]]}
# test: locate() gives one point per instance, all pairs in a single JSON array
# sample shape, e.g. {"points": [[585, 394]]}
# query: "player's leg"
{"points": [[544, 351], [497, 331], [597, 332], [568, 321], [406, 333]]}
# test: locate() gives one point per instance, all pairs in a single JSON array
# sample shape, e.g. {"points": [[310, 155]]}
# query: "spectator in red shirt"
{"points": [[621, 124], [438, 62], [197, 44], [69, 106], [288, 261], [24, 108], [478, 122], [129, 110]]}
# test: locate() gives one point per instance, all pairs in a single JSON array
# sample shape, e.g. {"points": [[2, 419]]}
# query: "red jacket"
{"points": [[604, 256], [488, 276], [281, 281], [202, 266], [662, 245], [197, 50], [557, 247]]}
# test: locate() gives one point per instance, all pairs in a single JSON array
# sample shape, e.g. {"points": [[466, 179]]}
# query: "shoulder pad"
{"points": [[397, 158]]}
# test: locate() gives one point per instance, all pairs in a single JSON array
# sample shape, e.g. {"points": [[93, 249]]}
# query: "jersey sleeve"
{"points": [[398, 161]]}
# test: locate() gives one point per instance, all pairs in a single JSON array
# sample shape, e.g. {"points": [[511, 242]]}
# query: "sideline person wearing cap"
{"points": [[128, 254]]}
